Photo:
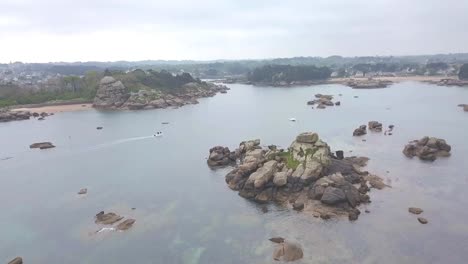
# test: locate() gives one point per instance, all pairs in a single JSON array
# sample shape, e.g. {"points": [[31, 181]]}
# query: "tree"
{"points": [[463, 73]]}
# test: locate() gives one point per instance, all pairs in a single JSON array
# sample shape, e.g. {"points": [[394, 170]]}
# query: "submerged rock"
{"points": [[422, 220], [83, 191], [125, 224], [107, 218], [288, 251], [427, 148]]}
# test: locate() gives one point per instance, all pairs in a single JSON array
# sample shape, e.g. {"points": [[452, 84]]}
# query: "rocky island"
{"points": [[147, 90], [307, 175]]}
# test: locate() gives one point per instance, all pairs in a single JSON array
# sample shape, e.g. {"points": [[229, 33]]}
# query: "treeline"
{"points": [[64, 88], [159, 80], [85, 87], [288, 73]]}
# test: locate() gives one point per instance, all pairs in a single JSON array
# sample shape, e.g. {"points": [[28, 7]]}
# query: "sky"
{"points": [[105, 30]]}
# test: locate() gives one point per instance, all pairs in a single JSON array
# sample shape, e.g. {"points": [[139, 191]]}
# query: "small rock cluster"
{"points": [[427, 148], [221, 156], [42, 145], [112, 218], [323, 100], [307, 170], [417, 211], [374, 126]]}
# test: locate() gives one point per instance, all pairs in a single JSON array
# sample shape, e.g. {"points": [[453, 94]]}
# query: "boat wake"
{"points": [[120, 141]]}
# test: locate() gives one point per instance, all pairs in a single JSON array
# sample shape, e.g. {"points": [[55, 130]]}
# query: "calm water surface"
{"points": [[186, 214]]}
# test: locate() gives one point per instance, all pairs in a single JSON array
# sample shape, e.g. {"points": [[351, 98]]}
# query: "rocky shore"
{"points": [[368, 84], [307, 175], [449, 82], [7, 115], [112, 94], [427, 148]]}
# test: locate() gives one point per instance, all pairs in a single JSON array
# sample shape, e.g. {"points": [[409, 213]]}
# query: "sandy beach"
{"points": [[56, 108]]}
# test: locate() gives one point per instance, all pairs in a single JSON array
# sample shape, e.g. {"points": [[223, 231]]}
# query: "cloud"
{"points": [[64, 30]]}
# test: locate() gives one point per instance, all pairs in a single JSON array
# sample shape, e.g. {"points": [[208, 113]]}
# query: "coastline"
{"points": [[82, 105]]}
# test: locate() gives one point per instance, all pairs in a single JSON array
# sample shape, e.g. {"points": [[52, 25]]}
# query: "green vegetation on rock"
{"points": [[290, 161]]}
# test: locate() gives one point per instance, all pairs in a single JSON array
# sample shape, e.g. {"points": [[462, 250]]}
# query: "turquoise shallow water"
{"points": [[186, 214]]}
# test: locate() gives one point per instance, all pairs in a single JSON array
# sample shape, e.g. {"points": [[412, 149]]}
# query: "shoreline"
{"points": [[54, 108], [365, 82]]}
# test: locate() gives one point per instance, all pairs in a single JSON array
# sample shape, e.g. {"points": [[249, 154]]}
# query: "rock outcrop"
{"points": [[375, 126], [427, 148], [17, 260], [7, 116], [112, 94], [306, 169], [42, 145], [221, 156], [360, 131]]}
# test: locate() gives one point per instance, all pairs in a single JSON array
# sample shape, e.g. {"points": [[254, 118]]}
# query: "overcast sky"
{"points": [[105, 30]]}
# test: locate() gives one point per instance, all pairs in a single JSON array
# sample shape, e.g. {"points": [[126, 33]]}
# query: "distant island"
{"points": [[287, 74]]}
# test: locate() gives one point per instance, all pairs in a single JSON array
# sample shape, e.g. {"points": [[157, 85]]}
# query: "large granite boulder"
{"points": [[17, 260], [221, 156], [360, 131], [111, 93], [262, 175], [333, 196]]}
